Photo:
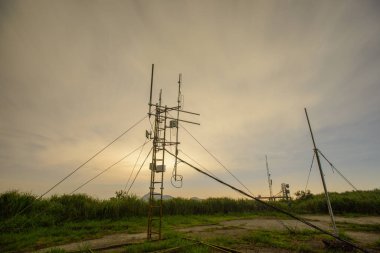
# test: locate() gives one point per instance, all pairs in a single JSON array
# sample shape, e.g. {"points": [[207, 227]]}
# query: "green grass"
{"points": [[350, 203], [57, 210], [256, 240], [56, 250], [377, 244], [296, 241], [268, 238], [41, 237], [359, 227], [172, 239], [68, 218], [181, 221]]}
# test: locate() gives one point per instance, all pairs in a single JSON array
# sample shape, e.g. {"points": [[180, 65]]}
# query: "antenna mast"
{"points": [[177, 177], [316, 152], [269, 180]]}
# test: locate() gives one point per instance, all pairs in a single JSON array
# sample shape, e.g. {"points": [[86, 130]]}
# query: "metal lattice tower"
{"points": [[158, 166]]}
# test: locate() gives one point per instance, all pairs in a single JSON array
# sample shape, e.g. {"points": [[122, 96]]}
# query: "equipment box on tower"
{"points": [[158, 168]]}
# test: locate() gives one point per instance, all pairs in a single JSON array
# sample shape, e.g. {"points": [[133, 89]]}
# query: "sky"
{"points": [[74, 75]]}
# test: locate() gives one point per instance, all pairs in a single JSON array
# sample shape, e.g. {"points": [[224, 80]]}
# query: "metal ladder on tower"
{"points": [[157, 168]]}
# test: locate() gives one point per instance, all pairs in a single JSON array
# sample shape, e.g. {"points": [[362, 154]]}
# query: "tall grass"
{"points": [[181, 206], [56, 210], [355, 202], [66, 208]]}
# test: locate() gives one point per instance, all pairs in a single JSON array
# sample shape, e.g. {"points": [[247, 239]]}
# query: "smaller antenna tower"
{"points": [[285, 191]]}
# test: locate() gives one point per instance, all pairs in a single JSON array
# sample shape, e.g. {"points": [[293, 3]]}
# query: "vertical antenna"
{"points": [[177, 128], [160, 98], [151, 90], [269, 180], [179, 90], [322, 176]]}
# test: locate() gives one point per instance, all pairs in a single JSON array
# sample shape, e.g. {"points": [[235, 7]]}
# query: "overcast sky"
{"points": [[75, 74]]}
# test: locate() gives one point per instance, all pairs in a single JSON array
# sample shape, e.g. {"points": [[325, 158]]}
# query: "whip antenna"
{"points": [[151, 90]]}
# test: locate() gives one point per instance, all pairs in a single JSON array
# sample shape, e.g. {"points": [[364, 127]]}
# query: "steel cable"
{"points": [[109, 167], [308, 177], [134, 166], [200, 165], [80, 166], [333, 167], [92, 157], [216, 159], [138, 172]]}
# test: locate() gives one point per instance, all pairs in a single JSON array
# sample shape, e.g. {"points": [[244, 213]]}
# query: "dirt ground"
{"points": [[235, 228], [280, 224]]}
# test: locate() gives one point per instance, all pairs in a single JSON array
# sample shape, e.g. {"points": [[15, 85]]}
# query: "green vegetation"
{"points": [[78, 207], [56, 250], [40, 237], [359, 227], [67, 218], [58, 210], [295, 241], [377, 244], [355, 202], [173, 240], [278, 239]]}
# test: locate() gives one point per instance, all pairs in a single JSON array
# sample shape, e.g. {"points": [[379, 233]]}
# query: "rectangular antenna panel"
{"points": [[173, 123], [158, 168]]}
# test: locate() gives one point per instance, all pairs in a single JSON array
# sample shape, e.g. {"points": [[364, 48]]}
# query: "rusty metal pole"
{"points": [[322, 177]]}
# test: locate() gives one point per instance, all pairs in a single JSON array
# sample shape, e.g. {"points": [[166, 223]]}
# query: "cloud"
{"points": [[74, 75]]}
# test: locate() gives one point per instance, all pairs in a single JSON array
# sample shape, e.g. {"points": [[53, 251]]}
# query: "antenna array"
{"points": [[158, 166]]}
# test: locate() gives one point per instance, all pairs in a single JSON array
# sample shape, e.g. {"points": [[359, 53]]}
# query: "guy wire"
{"points": [[333, 167], [134, 166], [216, 159], [138, 172], [109, 167], [273, 207], [311, 166], [79, 167]]}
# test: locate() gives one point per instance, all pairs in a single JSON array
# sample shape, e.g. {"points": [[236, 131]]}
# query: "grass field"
{"points": [[70, 218], [39, 237], [216, 229]]}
